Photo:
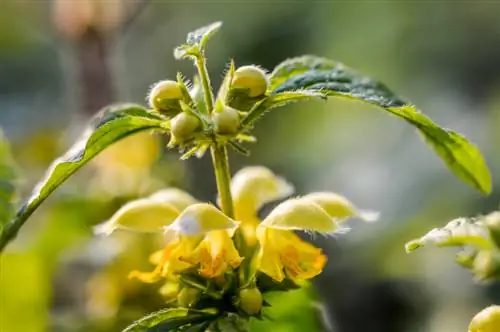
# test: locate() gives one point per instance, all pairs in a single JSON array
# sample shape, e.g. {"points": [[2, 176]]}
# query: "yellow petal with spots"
{"points": [[215, 254], [199, 219], [339, 207], [142, 215], [254, 186], [300, 214], [169, 261], [176, 197], [283, 254]]}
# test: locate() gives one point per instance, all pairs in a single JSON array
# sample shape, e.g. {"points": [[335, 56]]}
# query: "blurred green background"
{"points": [[61, 61]]}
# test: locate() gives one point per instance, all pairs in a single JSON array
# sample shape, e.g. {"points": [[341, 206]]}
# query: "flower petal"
{"points": [[142, 215], [339, 207], [254, 186], [199, 219], [283, 254], [176, 197], [300, 214]]}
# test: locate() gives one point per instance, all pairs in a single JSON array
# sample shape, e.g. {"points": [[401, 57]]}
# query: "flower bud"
{"points": [[486, 265], [183, 127], [251, 78], [250, 300], [164, 97], [226, 121], [488, 320], [187, 296]]}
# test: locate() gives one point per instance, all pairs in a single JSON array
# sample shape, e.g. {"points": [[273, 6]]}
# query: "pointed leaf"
{"points": [[111, 125], [170, 319], [335, 79], [8, 178], [458, 232], [196, 41]]}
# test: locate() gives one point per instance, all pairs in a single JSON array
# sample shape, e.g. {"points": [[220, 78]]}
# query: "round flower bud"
{"points": [[486, 265], [226, 121], [488, 320], [187, 296], [164, 96], [183, 126], [251, 78], [250, 301]]}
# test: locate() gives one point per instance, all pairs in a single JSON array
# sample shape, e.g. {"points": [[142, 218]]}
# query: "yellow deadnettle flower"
{"points": [[339, 207], [252, 187], [282, 253], [202, 236], [196, 233]]}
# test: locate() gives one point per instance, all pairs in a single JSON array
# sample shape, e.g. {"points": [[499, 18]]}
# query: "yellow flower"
{"points": [[282, 254], [252, 187], [196, 234]]}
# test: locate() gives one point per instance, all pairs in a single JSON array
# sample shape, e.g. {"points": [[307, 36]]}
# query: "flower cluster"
{"points": [[209, 253]]}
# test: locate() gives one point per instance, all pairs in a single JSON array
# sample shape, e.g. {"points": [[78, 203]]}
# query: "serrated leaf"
{"points": [[459, 232], [297, 66], [111, 125], [196, 41], [278, 100], [335, 79], [8, 178], [170, 319]]}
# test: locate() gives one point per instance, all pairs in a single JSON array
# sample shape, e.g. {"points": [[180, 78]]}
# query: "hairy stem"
{"points": [[205, 81], [223, 177]]}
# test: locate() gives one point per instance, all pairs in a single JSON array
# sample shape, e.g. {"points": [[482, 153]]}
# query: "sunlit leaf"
{"points": [[8, 177], [171, 319], [111, 125], [335, 79], [196, 41], [458, 232]]}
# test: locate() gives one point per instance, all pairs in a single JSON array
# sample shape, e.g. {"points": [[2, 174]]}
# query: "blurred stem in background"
{"points": [[89, 25]]}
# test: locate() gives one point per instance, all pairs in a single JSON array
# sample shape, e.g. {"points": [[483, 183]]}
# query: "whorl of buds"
{"points": [[165, 96], [251, 78], [488, 320], [226, 121], [183, 127], [250, 301]]}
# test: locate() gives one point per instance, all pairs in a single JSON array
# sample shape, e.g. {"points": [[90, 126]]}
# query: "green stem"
{"points": [[205, 81], [223, 177]]}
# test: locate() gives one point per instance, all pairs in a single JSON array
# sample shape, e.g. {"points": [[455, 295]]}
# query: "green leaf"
{"points": [[171, 319], [459, 232], [8, 179], [111, 125], [297, 66], [278, 100], [335, 79], [196, 41]]}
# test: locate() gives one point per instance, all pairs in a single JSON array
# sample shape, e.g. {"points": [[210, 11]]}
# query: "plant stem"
{"points": [[223, 177], [201, 64]]}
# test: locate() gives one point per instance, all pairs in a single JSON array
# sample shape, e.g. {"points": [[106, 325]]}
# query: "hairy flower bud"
{"points": [[187, 296], [165, 96], [488, 320], [251, 78], [183, 127], [226, 121], [250, 301]]}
